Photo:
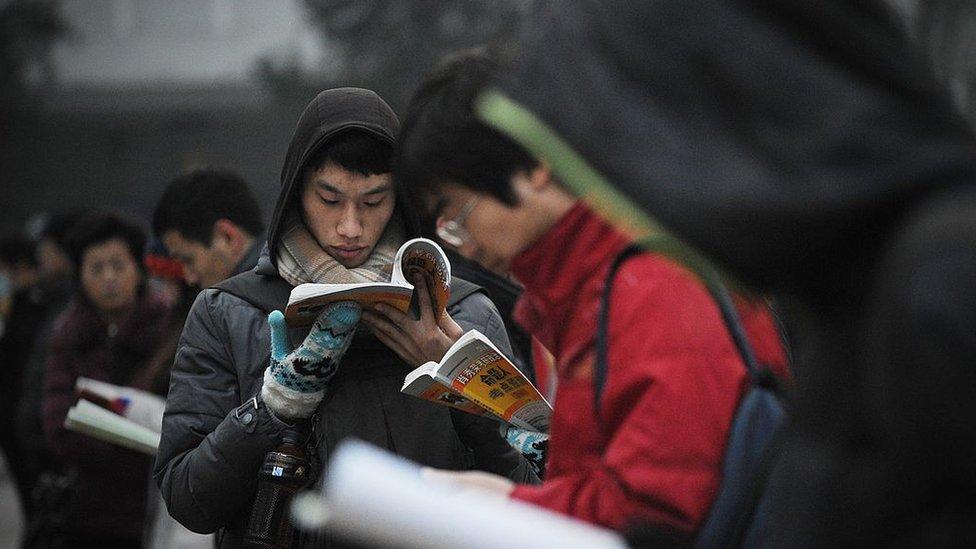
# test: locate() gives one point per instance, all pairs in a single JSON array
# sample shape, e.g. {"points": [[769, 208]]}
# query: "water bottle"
{"points": [[285, 471]]}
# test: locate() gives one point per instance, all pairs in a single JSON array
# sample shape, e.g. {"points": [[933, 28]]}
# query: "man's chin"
{"points": [[352, 262]]}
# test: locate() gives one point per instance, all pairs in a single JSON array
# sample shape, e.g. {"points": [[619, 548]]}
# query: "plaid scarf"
{"points": [[301, 259]]}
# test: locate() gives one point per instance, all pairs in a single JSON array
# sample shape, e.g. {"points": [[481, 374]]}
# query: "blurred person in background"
{"points": [[22, 314], [207, 227], [210, 221], [54, 288], [54, 263], [108, 333]]}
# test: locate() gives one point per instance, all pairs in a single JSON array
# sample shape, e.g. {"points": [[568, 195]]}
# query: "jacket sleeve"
{"points": [[491, 452], [674, 380], [209, 458]]}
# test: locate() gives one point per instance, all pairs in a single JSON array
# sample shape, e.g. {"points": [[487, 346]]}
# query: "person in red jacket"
{"points": [[675, 377]]}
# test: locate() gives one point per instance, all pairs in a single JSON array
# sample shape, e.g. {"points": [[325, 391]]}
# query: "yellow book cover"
{"points": [[474, 370]]}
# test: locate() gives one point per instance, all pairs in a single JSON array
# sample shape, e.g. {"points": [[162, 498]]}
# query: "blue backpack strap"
{"points": [[734, 523], [760, 376], [603, 322]]}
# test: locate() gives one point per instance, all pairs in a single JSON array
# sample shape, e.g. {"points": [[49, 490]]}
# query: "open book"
{"points": [[419, 255], [474, 376], [120, 415], [95, 421], [382, 500]]}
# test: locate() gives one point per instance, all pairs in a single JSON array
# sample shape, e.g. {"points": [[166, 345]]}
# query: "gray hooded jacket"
{"points": [[208, 460]]}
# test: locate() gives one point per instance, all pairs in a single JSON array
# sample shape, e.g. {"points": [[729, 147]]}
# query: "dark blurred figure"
{"points": [[110, 330], [210, 222], [20, 314], [53, 290], [807, 148]]}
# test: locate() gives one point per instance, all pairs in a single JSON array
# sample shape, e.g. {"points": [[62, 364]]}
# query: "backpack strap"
{"points": [[603, 322], [760, 376]]}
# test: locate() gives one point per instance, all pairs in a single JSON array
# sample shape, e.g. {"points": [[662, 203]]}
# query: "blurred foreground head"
{"points": [[804, 147]]}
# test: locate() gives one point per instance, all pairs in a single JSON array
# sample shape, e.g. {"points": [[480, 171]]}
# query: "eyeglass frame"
{"points": [[452, 231]]}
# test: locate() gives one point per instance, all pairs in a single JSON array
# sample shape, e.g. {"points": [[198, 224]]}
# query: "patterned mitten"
{"points": [[530, 444], [295, 381]]}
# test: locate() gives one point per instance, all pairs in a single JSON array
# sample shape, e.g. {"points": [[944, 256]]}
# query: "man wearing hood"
{"points": [[236, 387]]}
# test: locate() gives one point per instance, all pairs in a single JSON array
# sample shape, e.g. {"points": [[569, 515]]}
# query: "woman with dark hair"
{"points": [[109, 332]]}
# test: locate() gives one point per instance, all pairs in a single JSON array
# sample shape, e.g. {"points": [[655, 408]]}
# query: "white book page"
{"points": [[143, 407], [377, 498], [92, 420]]}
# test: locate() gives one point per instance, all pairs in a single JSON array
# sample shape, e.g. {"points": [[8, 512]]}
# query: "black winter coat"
{"points": [[208, 460]]}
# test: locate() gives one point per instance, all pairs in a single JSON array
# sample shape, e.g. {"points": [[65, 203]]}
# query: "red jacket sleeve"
{"points": [[673, 384]]}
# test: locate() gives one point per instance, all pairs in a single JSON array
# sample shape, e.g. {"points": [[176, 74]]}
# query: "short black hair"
{"points": [[194, 201], [442, 140], [355, 151], [17, 250], [58, 227], [100, 227]]}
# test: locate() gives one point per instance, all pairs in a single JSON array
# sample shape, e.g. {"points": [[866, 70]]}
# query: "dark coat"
{"points": [[25, 320], [208, 459], [109, 499]]}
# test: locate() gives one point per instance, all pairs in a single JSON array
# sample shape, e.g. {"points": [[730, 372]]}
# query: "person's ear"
{"points": [[540, 177], [226, 236], [532, 181]]}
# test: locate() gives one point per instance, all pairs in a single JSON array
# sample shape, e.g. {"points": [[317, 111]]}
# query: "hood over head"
{"points": [[331, 113], [782, 138]]}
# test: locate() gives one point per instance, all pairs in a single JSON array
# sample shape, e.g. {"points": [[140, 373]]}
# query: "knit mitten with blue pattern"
{"points": [[295, 382], [530, 444]]}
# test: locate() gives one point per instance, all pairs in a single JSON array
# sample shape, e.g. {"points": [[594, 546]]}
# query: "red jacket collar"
{"points": [[554, 269]]}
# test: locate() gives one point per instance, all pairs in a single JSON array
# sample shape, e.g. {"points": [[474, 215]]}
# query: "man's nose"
{"points": [[350, 225], [190, 276]]}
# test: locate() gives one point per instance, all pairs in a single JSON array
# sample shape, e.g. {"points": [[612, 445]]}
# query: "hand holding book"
{"points": [[416, 341], [478, 482]]}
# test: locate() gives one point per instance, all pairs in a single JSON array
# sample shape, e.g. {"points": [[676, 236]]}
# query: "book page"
{"points": [[97, 422], [142, 407], [308, 300], [382, 500], [424, 257], [419, 255], [476, 369]]}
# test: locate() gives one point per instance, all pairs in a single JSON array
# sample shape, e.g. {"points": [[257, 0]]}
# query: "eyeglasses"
{"points": [[452, 232]]}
